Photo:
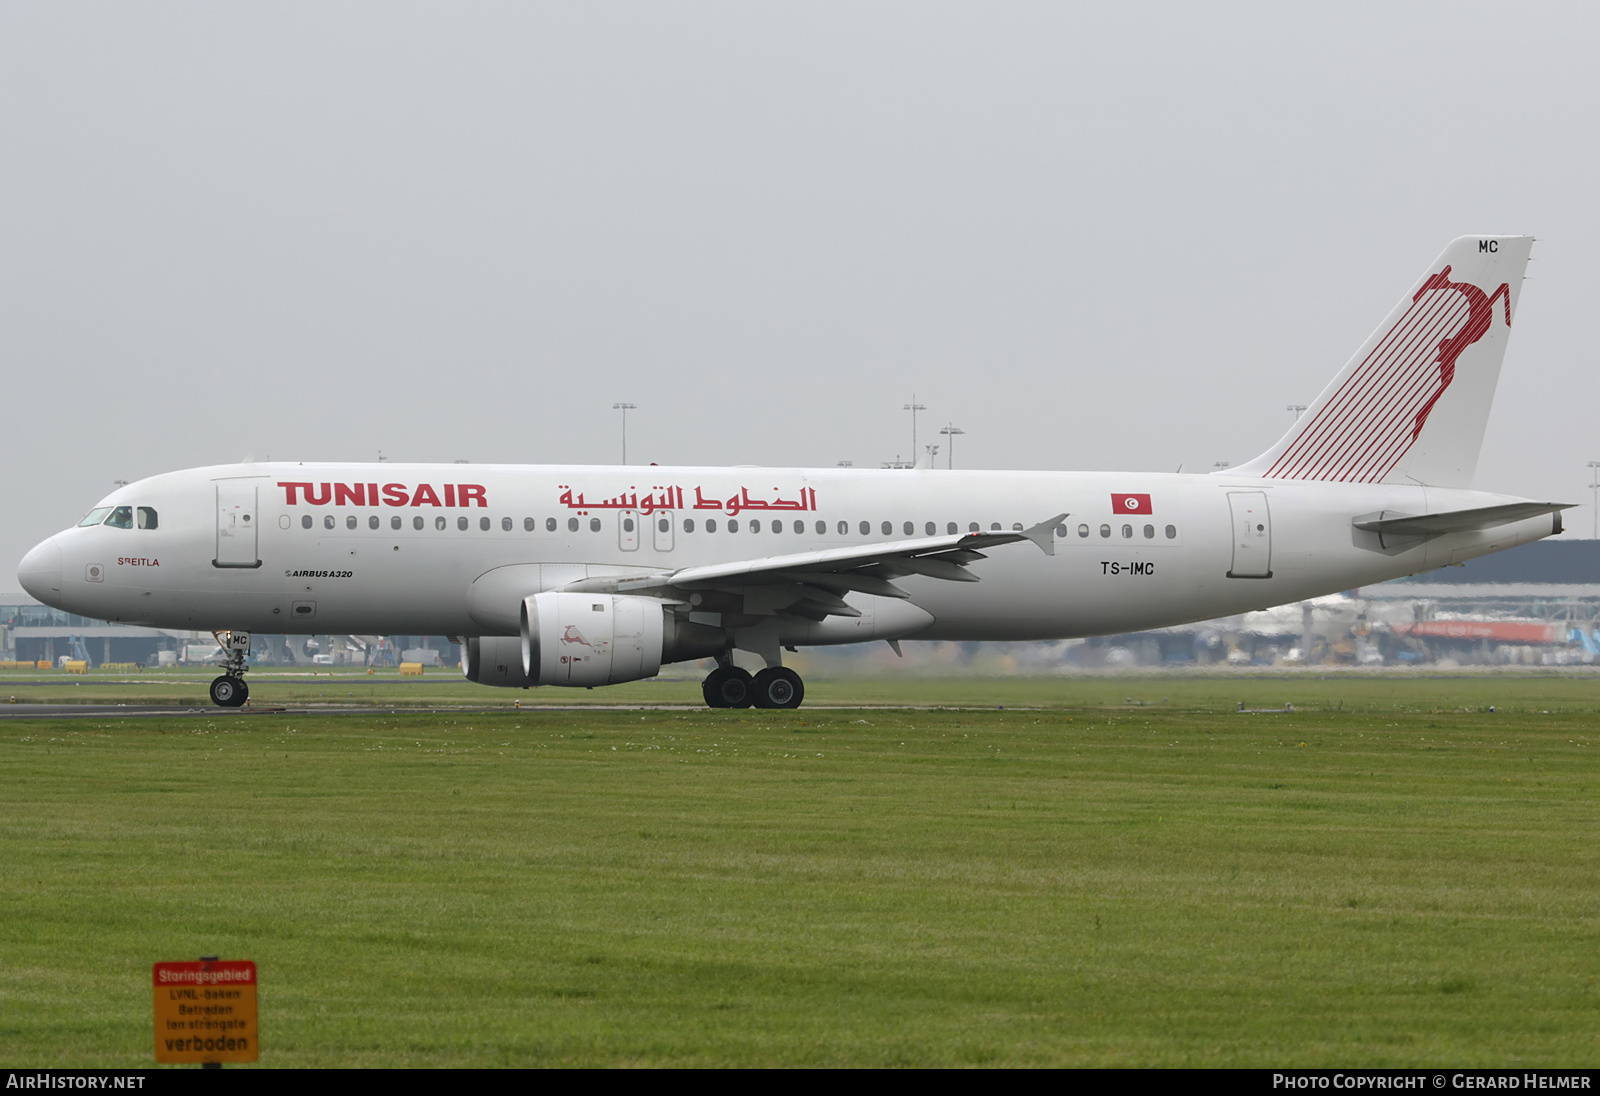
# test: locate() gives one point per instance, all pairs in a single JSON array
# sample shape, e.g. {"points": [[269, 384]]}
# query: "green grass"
{"points": [[1388, 876]]}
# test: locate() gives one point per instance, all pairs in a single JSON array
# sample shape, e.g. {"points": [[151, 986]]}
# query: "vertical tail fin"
{"points": [[1411, 405]]}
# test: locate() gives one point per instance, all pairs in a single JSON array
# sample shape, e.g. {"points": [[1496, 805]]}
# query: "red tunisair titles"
{"points": [[392, 494]]}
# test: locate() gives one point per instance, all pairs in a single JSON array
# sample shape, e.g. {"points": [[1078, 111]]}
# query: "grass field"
{"points": [[1139, 875]]}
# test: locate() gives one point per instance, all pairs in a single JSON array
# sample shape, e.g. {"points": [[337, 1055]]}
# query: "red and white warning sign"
{"points": [[206, 1011]]}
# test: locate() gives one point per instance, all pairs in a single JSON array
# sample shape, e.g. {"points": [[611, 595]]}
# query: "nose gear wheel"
{"points": [[228, 691]]}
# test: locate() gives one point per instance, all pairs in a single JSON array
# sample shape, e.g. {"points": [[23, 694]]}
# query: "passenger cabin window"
{"points": [[147, 517], [909, 529], [711, 525], [528, 524], [844, 528], [755, 526], [305, 521], [627, 525], [461, 523], [372, 522], [1172, 532], [327, 521], [505, 524], [688, 525], [594, 525], [350, 522], [663, 525], [733, 525], [866, 528], [121, 518], [416, 523], [94, 517], [1061, 530], [1105, 530], [1083, 530], [394, 522], [972, 527], [439, 523], [994, 527], [888, 528], [1127, 532], [572, 525], [1149, 532], [950, 529]]}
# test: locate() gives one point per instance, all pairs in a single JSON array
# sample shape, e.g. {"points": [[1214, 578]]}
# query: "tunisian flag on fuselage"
{"points": [[1131, 504]]}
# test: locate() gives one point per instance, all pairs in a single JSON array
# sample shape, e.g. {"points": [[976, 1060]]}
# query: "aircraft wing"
{"points": [[811, 585]]}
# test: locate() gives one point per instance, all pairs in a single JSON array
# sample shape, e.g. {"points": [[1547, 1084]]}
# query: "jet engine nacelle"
{"points": [[602, 639], [494, 660]]}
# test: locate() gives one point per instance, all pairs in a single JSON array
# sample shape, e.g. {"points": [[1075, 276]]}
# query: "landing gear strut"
{"points": [[229, 690]]}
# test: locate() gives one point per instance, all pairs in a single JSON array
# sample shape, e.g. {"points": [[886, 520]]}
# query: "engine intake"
{"points": [[590, 639], [585, 640]]}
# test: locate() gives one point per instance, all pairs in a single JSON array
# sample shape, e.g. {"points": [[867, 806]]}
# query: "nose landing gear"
{"points": [[229, 690]]}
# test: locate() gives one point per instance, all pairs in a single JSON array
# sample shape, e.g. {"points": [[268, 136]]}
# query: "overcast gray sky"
{"points": [[1093, 236]]}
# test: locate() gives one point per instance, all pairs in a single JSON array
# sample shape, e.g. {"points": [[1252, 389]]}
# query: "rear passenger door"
{"points": [[1252, 535]]}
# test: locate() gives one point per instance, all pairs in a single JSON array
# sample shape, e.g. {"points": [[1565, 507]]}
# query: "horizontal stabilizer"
{"points": [[1389, 523]]}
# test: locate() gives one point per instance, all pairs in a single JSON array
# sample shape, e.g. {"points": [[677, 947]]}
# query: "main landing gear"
{"points": [[229, 690], [775, 687]]}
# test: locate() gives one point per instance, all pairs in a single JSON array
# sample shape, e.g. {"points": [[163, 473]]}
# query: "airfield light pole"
{"points": [[1296, 408], [950, 432], [914, 407], [1595, 487], [624, 408]]}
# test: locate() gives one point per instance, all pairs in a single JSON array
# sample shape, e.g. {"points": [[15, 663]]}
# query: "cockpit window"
{"points": [[121, 518], [95, 516], [147, 518]]}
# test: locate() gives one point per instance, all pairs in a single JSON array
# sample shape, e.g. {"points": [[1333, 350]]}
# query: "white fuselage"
{"points": [[363, 548]]}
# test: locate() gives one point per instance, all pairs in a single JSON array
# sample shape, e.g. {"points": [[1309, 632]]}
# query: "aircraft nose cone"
{"points": [[40, 573]]}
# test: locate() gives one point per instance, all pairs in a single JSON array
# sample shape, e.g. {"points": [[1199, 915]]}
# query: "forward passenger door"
{"points": [[237, 520]]}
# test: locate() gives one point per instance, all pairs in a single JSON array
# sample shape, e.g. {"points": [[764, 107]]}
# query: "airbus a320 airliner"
{"points": [[594, 575]]}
